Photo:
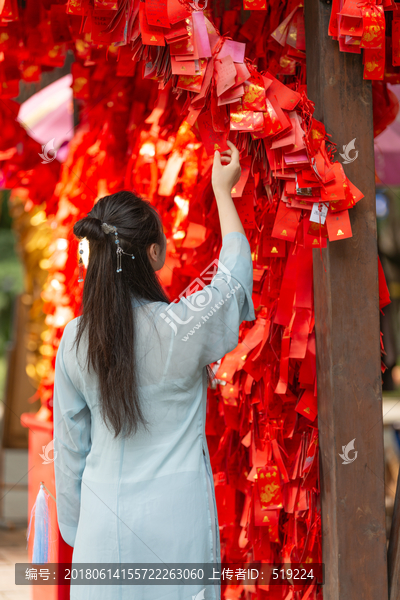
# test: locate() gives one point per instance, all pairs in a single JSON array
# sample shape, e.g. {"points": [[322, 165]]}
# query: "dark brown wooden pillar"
{"points": [[347, 333]]}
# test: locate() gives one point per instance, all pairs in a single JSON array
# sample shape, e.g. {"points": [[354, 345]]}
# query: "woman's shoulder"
{"points": [[69, 333], [71, 327]]}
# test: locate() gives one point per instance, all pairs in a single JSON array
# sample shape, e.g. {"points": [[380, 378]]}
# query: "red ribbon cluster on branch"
{"points": [[372, 25]]}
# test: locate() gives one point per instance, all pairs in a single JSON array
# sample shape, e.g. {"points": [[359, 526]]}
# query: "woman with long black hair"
{"points": [[133, 474]]}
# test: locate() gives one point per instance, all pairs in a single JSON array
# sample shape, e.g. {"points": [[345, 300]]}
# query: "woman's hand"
{"points": [[226, 170], [226, 174]]}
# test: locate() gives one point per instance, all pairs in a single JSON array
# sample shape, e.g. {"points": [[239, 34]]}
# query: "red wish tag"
{"points": [[373, 34], [242, 73], [271, 121], [269, 487], [308, 405], [202, 40], [351, 8], [314, 234], [245, 206], [396, 41], [226, 74], [254, 4], [338, 225], [151, 36], [286, 222], [271, 247], [177, 11], [156, 13], [178, 31], [287, 98], [193, 83], [254, 94], [352, 26], [106, 4], [100, 21], [374, 63], [231, 96], [212, 140], [237, 190], [187, 67], [234, 49], [246, 120]]}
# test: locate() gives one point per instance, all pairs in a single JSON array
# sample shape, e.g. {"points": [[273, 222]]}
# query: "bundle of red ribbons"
{"points": [[362, 25], [155, 129]]}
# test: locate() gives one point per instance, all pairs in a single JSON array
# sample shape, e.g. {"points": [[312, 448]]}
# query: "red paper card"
{"points": [[60, 24], [156, 13], [338, 225], [231, 96], [271, 120], [314, 234], [286, 222], [178, 31], [351, 8], [75, 7], [271, 247], [246, 120], [201, 35], [234, 49], [373, 35], [269, 487], [254, 4], [287, 98], [245, 206], [226, 74], [396, 42], [254, 94], [184, 47], [374, 63], [187, 67], [307, 405], [352, 26], [100, 21], [177, 11], [193, 83], [106, 4], [151, 36], [242, 73], [237, 190], [212, 140]]}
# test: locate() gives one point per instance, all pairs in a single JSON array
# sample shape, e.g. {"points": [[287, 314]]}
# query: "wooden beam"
{"points": [[347, 335], [394, 548]]}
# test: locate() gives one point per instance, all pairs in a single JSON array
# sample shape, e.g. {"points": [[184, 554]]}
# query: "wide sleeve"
{"points": [[204, 326], [72, 442]]}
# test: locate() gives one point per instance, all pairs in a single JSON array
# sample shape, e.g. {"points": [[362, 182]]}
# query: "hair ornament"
{"points": [[80, 262], [112, 229]]}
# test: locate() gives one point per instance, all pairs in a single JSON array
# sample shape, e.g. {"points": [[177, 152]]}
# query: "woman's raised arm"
{"points": [[226, 174]]}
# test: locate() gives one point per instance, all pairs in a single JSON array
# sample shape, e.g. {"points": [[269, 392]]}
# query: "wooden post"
{"points": [[394, 549], [347, 335]]}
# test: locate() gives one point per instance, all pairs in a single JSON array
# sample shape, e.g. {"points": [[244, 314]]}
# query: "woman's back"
{"points": [[148, 497]]}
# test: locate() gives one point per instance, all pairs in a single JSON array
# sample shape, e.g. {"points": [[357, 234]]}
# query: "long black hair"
{"points": [[107, 313]]}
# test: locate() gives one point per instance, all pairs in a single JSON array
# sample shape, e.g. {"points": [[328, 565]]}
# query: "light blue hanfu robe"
{"points": [[149, 498]]}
